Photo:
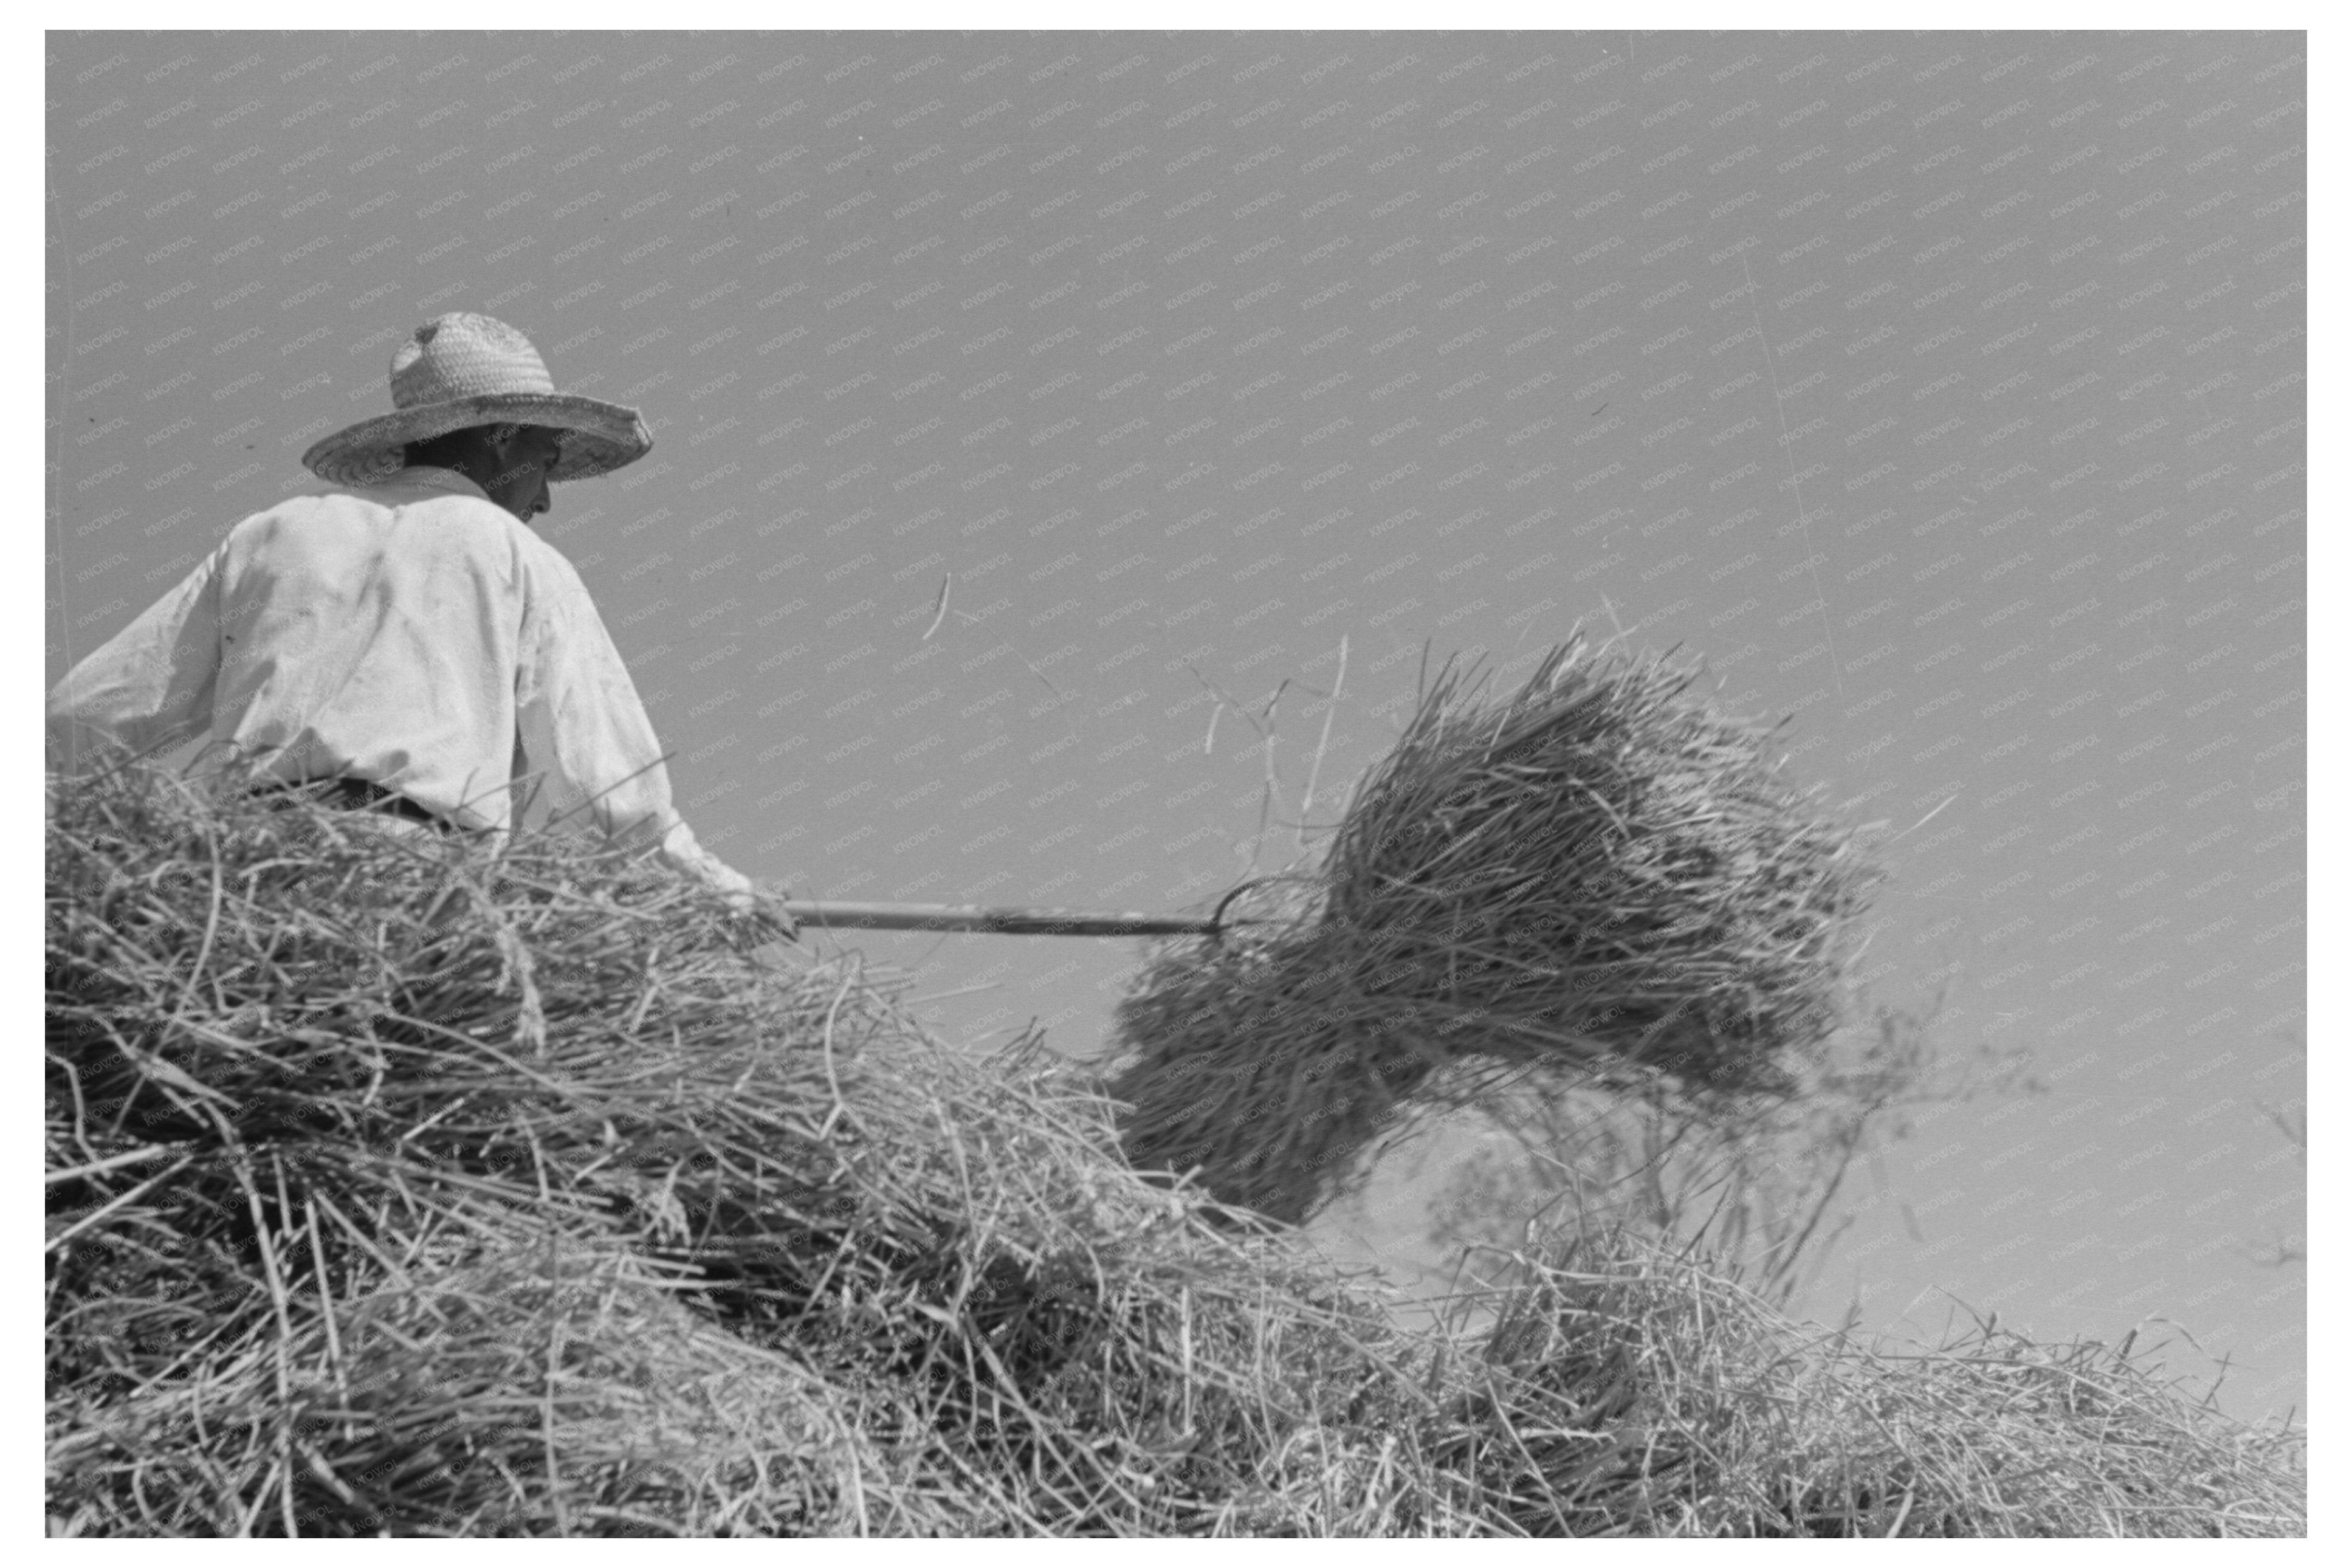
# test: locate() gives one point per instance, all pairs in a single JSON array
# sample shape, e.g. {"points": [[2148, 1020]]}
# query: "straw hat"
{"points": [[461, 369]]}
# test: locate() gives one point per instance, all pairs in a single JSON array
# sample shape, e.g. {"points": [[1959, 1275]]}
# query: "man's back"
{"points": [[412, 635], [376, 634]]}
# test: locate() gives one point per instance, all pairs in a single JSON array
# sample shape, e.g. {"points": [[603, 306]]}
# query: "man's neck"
{"points": [[439, 477]]}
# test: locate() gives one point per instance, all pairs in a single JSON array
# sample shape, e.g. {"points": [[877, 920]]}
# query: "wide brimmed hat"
{"points": [[461, 369]]}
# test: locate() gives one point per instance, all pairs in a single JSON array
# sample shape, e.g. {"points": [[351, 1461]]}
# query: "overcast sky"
{"points": [[1945, 392]]}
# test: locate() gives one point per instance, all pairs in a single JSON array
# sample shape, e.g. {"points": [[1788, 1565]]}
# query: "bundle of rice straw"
{"points": [[1599, 868]]}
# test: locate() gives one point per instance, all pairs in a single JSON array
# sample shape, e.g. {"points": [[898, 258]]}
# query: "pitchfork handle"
{"points": [[827, 913]]}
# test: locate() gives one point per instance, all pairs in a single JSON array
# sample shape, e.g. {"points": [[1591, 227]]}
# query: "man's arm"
{"points": [[581, 721], [152, 684]]}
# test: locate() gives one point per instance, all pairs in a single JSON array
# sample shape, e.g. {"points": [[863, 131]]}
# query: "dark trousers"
{"points": [[363, 795]]}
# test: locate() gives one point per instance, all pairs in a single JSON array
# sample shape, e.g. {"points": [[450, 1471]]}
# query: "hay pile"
{"points": [[1597, 870], [394, 1189]]}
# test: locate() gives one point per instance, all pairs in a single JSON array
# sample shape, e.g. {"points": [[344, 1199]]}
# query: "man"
{"points": [[403, 642]]}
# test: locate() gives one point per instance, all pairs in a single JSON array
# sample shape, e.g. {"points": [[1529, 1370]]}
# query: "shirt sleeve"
{"points": [[151, 685], [580, 722]]}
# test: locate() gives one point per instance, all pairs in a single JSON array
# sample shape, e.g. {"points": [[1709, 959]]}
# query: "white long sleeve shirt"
{"points": [[414, 633]]}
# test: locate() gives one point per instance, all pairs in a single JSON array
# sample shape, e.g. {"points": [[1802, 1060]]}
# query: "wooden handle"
{"points": [[825, 914]]}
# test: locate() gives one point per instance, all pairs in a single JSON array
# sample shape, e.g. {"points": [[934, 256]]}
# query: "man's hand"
{"points": [[763, 915], [780, 926]]}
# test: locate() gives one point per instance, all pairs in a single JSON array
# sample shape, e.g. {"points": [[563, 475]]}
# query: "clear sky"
{"points": [[1945, 392]]}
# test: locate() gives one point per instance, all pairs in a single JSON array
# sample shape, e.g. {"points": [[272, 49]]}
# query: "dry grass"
{"points": [[1754, 1187], [1599, 871], [1652, 1395], [397, 1189], [390, 1185]]}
